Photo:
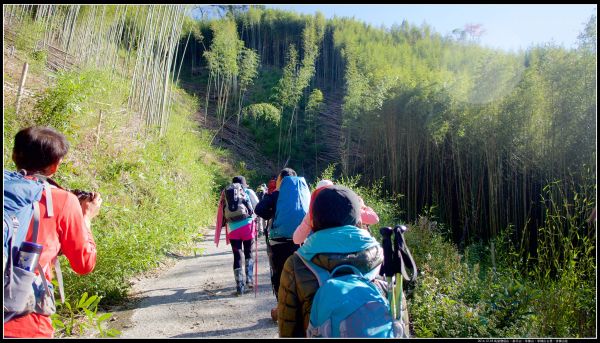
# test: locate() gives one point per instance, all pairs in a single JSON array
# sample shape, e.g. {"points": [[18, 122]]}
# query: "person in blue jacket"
{"points": [[286, 206]]}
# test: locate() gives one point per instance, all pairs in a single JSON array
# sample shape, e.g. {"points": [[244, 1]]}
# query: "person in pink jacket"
{"points": [[367, 216]]}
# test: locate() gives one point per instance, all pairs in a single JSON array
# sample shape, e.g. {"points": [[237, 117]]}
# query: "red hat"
{"points": [[271, 186]]}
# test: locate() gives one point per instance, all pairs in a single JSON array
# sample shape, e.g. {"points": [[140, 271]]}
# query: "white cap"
{"points": [[324, 183]]}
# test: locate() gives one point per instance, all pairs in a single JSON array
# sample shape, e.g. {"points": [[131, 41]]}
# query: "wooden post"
{"points": [[21, 86], [98, 129]]}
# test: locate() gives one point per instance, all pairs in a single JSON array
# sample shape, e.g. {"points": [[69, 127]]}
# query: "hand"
{"points": [[91, 207]]}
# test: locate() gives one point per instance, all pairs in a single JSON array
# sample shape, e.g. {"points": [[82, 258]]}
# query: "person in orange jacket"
{"points": [[40, 150]]}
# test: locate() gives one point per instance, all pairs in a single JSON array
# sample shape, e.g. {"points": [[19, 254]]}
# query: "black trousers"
{"points": [[236, 246], [278, 254]]}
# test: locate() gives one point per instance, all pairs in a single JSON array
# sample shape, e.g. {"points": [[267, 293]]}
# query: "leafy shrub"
{"points": [[76, 97], [264, 112], [170, 186], [158, 191], [453, 297], [39, 56], [29, 34], [81, 316]]}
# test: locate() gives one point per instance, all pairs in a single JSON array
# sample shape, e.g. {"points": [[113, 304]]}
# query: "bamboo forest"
{"points": [[487, 156]]}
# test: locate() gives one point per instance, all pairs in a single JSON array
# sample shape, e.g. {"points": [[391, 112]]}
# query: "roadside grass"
{"points": [[468, 294], [158, 192]]}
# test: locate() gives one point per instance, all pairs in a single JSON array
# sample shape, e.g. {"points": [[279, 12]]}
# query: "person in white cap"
{"points": [[367, 215], [304, 229]]}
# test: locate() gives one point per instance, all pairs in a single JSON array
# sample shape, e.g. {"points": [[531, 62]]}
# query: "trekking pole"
{"points": [[402, 255], [256, 263], [388, 268], [398, 267]]}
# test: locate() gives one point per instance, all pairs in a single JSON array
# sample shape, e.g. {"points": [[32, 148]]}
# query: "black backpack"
{"points": [[237, 206]]}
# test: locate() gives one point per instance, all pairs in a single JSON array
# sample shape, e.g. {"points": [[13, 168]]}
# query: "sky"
{"points": [[508, 27]]}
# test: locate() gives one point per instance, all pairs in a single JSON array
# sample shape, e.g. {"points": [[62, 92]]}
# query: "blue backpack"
{"points": [[20, 197], [24, 291], [349, 305], [292, 206]]}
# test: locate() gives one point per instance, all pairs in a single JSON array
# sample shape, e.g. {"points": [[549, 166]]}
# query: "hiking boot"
{"points": [[250, 273], [274, 314], [239, 281]]}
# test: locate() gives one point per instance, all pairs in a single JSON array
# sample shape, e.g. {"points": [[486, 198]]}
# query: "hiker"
{"points": [[261, 224], [272, 185], [336, 240], [261, 191], [249, 191], [305, 227], [287, 206], [236, 213], [367, 216], [64, 225]]}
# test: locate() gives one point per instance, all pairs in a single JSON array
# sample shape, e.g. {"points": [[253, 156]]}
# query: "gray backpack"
{"points": [[237, 204]]}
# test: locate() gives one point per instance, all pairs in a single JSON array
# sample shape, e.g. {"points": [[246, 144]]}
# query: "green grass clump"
{"points": [[158, 192], [486, 291], [157, 196], [466, 295], [458, 295]]}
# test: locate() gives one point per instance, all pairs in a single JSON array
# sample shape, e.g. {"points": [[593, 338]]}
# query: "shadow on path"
{"points": [[181, 296], [260, 325]]}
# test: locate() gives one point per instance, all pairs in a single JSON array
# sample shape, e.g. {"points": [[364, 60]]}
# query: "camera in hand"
{"points": [[83, 195]]}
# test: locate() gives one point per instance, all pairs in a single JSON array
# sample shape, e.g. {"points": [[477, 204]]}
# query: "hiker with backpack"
{"points": [[236, 214], [272, 185], [305, 227], [367, 216], [330, 287], [286, 206], [40, 215]]}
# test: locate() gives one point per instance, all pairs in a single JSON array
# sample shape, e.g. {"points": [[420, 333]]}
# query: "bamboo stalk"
{"points": [[21, 87], [98, 128]]}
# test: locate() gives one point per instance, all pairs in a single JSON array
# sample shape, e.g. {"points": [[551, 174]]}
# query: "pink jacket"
{"points": [[220, 220], [302, 230], [367, 216]]}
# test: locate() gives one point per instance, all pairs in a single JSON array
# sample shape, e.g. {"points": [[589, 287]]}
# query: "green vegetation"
{"points": [[174, 188], [489, 292], [488, 156], [81, 317], [485, 290]]}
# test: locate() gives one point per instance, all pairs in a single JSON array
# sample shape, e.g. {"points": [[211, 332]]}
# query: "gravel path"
{"points": [[196, 298]]}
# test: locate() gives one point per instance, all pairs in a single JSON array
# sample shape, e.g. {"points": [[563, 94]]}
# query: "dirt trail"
{"points": [[196, 298]]}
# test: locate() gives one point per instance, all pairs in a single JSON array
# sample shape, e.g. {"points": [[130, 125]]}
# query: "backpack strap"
{"points": [[49, 203], [34, 235], [50, 213], [321, 274], [36, 221], [59, 280], [47, 183]]}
